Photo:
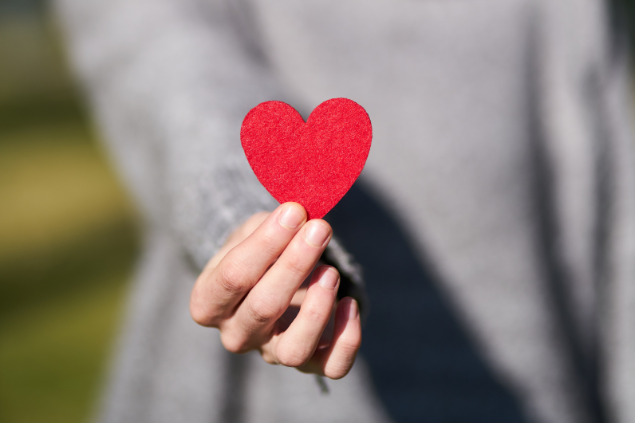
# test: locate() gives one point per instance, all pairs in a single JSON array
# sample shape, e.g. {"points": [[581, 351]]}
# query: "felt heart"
{"points": [[313, 163]]}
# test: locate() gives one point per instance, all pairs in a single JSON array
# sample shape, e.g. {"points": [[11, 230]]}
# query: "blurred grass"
{"points": [[67, 235]]}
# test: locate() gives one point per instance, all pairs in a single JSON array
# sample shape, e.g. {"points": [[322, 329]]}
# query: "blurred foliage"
{"points": [[67, 232]]}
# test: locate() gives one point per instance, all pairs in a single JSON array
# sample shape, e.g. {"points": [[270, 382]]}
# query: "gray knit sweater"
{"points": [[495, 220]]}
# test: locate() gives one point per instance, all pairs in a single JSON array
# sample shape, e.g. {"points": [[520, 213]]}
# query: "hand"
{"points": [[252, 288]]}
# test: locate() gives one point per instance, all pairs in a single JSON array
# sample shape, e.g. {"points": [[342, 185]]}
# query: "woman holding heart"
{"points": [[494, 219]]}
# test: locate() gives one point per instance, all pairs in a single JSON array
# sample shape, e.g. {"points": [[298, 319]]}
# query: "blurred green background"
{"points": [[67, 231]]}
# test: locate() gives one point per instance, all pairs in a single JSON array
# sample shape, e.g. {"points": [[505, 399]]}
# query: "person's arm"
{"points": [[170, 81]]}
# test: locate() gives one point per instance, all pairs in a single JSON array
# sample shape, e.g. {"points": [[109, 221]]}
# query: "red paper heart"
{"points": [[313, 163]]}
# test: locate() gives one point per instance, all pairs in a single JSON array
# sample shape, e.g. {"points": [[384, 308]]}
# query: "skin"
{"points": [[264, 292]]}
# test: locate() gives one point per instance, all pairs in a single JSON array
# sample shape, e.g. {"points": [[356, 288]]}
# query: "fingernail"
{"points": [[353, 310], [291, 217], [329, 278], [316, 234]]}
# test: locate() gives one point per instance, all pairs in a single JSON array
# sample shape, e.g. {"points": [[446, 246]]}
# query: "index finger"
{"points": [[216, 293]]}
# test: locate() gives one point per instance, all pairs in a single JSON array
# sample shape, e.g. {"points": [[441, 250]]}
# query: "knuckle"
{"points": [[202, 315], [314, 313], [263, 311], [269, 358], [234, 344], [291, 357], [337, 372], [268, 241], [349, 345], [297, 265], [200, 310], [232, 277]]}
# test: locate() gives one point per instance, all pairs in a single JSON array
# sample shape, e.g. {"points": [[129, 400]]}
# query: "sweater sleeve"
{"points": [[170, 82]]}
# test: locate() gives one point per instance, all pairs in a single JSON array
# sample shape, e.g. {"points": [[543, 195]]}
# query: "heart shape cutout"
{"points": [[313, 163]]}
